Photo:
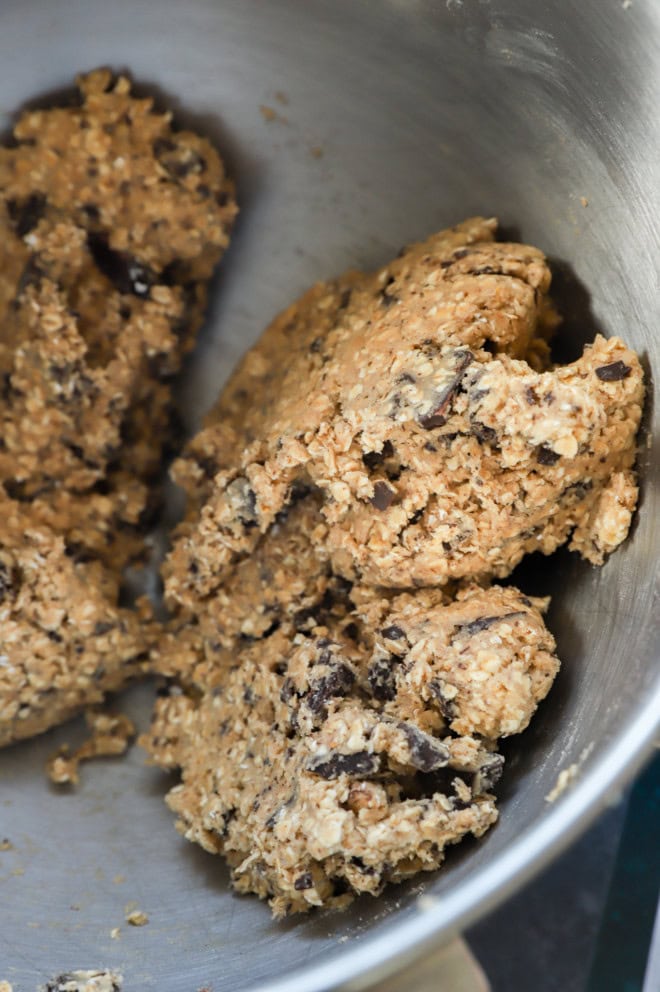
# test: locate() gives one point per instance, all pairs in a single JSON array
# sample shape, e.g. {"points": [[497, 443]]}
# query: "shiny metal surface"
{"points": [[424, 112]]}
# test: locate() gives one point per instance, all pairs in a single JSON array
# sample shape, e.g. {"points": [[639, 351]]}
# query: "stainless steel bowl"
{"points": [[393, 118]]}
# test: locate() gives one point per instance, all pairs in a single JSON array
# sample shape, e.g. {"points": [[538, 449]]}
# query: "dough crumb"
{"points": [[6, 845], [564, 779], [111, 735], [584, 201], [86, 981], [137, 918], [6, 987]]}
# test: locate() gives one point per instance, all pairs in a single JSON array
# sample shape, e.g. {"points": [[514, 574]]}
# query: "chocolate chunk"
{"points": [[127, 274], [178, 160], [445, 705], [307, 618], [10, 580], [78, 553], [460, 253], [337, 683], [438, 416], [485, 270], [278, 813], [483, 433], [416, 517], [373, 459], [442, 781], [483, 623], [18, 489], [383, 496], [531, 396], [393, 632], [103, 627], [92, 213], [359, 764], [382, 678], [546, 456], [31, 275], [489, 773], [614, 372], [576, 491], [26, 214], [361, 867], [386, 298], [352, 631], [208, 465], [345, 299], [245, 499], [426, 753], [303, 882]]}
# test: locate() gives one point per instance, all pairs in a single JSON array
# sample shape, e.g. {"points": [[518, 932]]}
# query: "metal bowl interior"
{"points": [[392, 119]]}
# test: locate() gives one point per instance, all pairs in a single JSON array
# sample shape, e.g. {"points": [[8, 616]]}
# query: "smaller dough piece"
{"points": [[111, 223], [63, 644], [333, 737], [110, 735], [483, 660]]}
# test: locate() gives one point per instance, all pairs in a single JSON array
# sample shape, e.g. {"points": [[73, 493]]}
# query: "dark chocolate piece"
{"points": [[438, 416], [383, 496], [426, 753], [337, 683], [126, 273], [26, 214], [359, 764], [382, 678], [483, 623], [614, 372], [546, 456]]}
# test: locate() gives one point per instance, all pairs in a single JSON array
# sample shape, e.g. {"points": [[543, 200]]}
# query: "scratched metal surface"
{"points": [[424, 112]]}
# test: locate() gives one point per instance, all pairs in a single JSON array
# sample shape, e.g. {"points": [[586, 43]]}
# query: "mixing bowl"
{"points": [[353, 128]]}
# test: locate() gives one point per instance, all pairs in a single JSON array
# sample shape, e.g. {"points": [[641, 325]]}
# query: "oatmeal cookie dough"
{"points": [[111, 223], [421, 404], [64, 642], [334, 737], [110, 736]]}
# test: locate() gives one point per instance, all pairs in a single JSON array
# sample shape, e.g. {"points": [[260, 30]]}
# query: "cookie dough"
{"points": [[421, 404], [86, 981], [110, 736], [340, 669], [111, 222], [334, 737], [64, 641]]}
